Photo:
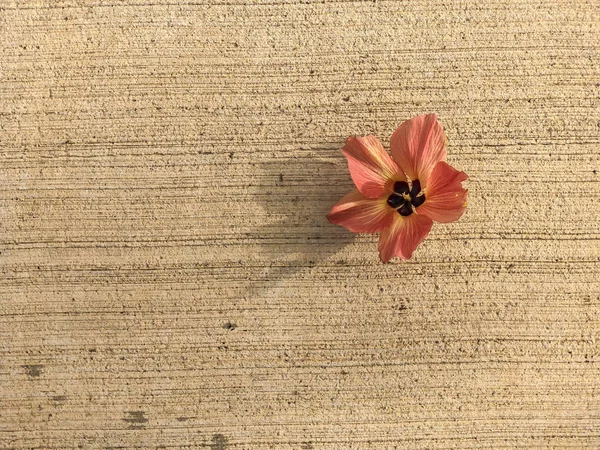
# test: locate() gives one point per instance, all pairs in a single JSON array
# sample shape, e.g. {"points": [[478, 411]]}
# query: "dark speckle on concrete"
{"points": [[230, 326], [59, 398], [401, 307], [33, 370], [307, 446], [219, 442]]}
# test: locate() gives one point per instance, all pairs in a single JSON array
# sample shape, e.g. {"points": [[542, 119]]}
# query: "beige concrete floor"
{"points": [[167, 275]]}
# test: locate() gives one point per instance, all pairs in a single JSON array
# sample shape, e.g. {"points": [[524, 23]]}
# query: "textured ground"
{"points": [[167, 274]]}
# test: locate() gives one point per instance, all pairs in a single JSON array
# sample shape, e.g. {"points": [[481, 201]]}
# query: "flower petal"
{"points": [[361, 215], [445, 198], [418, 145], [371, 167], [403, 236]]}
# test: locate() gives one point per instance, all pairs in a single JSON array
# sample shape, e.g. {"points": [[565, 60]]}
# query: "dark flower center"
{"points": [[406, 197]]}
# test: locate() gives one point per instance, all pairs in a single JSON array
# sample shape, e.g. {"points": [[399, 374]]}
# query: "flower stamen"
{"points": [[406, 197], [401, 187]]}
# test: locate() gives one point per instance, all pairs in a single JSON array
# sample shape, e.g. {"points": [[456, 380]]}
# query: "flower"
{"points": [[400, 196]]}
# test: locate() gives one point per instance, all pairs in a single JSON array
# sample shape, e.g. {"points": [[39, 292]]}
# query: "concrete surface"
{"points": [[167, 275]]}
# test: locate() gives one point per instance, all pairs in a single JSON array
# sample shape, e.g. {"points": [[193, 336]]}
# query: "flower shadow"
{"points": [[296, 196]]}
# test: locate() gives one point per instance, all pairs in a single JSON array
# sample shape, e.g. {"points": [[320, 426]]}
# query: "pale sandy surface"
{"points": [[167, 274]]}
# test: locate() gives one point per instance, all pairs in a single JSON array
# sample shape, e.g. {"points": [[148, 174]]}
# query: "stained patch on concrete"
{"points": [[33, 370], [219, 442], [136, 419], [60, 398]]}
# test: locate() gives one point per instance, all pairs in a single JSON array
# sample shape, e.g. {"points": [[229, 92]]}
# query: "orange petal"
{"points": [[360, 214], [445, 198], [371, 167], [418, 145], [403, 236]]}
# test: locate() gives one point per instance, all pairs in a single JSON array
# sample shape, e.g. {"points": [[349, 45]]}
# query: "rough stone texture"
{"points": [[167, 275]]}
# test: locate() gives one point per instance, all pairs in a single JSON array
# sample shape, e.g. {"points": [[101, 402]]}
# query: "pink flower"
{"points": [[401, 197]]}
